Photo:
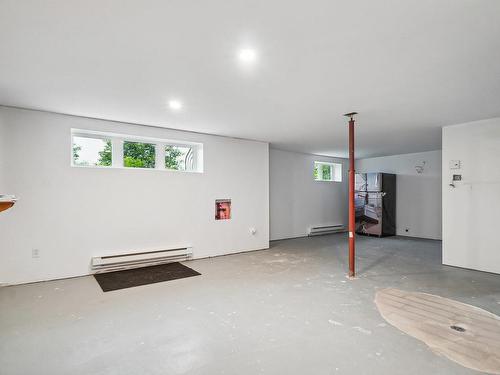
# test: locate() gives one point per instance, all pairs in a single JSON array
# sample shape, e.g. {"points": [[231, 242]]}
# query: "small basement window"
{"points": [[324, 171], [91, 151], [96, 149]]}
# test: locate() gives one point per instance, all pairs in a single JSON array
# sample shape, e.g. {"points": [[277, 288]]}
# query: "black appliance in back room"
{"points": [[375, 202]]}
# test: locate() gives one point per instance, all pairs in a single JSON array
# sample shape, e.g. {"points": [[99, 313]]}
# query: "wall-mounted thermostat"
{"points": [[454, 164]]}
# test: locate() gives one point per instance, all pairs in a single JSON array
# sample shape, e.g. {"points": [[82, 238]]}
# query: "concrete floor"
{"points": [[286, 310]]}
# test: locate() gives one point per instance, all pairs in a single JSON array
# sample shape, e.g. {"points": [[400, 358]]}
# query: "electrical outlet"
{"points": [[35, 253]]}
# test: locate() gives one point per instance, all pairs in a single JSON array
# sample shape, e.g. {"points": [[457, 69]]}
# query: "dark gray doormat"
{"points": [[142, 276]]}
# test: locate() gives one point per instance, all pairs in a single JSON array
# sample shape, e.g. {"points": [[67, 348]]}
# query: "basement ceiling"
{"points": [[409, 67]]}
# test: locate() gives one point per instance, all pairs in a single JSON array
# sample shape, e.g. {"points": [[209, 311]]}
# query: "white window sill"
{"points": [[132, 168]]}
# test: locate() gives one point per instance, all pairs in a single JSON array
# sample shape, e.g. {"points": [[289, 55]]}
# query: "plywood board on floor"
{"points": [[463, 333]]}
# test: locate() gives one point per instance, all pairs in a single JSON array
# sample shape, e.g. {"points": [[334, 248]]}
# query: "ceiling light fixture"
{"points": [[175, 105], [247, 55]]}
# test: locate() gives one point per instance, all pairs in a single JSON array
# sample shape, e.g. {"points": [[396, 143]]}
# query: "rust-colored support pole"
{"points": [[352, 174]]}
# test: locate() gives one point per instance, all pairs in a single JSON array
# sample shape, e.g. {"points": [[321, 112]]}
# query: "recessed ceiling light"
{"points": [[175, 105], [247, 55]]}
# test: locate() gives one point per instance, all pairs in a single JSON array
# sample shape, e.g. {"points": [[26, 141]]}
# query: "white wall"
{"points": [[3, 138], [470, 211], [418, 196], [297, 201], [71, 214]]}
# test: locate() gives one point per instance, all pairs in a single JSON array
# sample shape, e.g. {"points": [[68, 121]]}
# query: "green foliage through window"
{"points": [[324, 171], [171, 157], [177, 157], [76, 152], [138, 155], [105, 156], [327, 172]]}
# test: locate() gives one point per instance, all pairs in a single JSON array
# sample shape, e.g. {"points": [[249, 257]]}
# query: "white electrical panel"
{"points": [[454, 164]]}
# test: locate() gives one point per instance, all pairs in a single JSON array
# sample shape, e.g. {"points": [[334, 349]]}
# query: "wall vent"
{"points": [[326, 229], [141, 259]]}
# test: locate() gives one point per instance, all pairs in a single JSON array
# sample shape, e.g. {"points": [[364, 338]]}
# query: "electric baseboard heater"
{"points": [[134, 260], [326, 229]]}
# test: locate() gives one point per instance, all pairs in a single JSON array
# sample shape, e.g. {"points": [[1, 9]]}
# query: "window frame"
{"points": [[117, 155], [333, 171], [102, 137]]}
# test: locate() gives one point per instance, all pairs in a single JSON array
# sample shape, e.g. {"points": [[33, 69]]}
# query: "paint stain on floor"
{"points": [[463, 333]]}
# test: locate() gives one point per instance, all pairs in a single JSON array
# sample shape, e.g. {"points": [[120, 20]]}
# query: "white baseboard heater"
{"points": [[134, 260], [326, 229]]}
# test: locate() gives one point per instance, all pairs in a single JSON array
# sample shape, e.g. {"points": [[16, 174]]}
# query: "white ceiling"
{"points": [[409, 67]]}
